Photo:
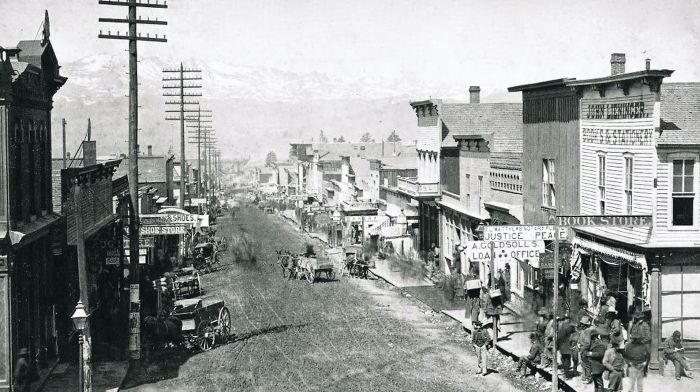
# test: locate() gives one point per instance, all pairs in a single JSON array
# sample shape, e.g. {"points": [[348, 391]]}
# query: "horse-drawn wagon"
{"points": [[204, 321]]}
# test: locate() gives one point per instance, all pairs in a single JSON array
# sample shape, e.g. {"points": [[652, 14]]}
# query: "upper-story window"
{"points": [[629, 175], [683, 192], [481, 191], [601, 184], [548, 183], [468, 190]]}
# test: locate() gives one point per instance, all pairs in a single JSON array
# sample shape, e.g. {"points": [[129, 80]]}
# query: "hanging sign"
{"points": [[522, 233], [163, 230], [503, 250]]}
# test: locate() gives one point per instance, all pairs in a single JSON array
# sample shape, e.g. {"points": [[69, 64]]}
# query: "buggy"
{"points": [[204, 321]]}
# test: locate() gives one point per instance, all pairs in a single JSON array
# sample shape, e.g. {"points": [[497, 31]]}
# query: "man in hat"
{"points": [[614, 363], [585, 340], [549, 340], [673, 352], [640, 328], [564, 332], [22, 374], [636, 355], [481, 340], [532, 357], [614, 327], [601, 340], [541, 331]]}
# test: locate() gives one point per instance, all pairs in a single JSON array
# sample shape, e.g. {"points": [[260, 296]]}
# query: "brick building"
{"points": [[29, 78]]}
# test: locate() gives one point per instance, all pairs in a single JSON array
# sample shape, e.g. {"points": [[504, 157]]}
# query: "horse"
{"points": [[288, 262], [163, 332]]}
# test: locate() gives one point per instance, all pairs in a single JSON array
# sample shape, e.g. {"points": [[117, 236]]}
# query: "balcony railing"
{"points": [[411, 186]]}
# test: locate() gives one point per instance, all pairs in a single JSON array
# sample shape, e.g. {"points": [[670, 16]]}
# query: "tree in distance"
{"points": [[394, 137], [341, 139], [270, 159], [367, 138]]}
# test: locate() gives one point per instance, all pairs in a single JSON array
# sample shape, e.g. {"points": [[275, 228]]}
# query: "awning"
{"points": [[161, 200], [611, 252], [29, 232]]}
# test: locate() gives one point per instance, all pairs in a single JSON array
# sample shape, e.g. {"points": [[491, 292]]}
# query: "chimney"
{"points": [[89, 153], [150, 150], [648, 64], [617, 63], [474, 94]]}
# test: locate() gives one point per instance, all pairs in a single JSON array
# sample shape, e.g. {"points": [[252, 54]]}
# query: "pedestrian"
{"points": [[456, 266], [485, 303], [615, 327], [574, 339], [614, 363], [549, 340], [637, 356], [472, 298], [564, 332], [481, 340], [533, 357], [673, 352], [506, 279], [584, 345], [601, 340], [501, 284], [23, 373], [436, 255], [541, 330], [639, 327]]}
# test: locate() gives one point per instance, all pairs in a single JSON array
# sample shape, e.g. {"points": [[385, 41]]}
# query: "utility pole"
{"points": [[63, 124], [133, 37], [86, 352], [203, 138], [184, 75], [198, 120]]}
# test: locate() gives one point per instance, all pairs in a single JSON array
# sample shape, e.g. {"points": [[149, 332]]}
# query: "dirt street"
{"points": [[342, 335]]}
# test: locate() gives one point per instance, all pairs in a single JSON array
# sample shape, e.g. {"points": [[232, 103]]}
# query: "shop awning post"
{"points": [[555, 308]]}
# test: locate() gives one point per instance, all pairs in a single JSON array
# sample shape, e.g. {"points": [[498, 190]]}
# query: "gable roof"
{"points": [[503, 120], [32, 52], [680, 114]]}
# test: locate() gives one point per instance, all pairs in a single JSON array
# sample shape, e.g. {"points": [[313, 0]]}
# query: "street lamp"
{"points": [[79, 319]]}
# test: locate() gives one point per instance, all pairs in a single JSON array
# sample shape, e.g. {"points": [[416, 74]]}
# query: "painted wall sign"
{"points": [[616, 111], [606, 220], [174, 219], [618, 137], [522, 232]]}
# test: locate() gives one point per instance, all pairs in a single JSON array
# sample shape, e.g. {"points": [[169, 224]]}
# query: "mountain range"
{"points": [[255, 110]]}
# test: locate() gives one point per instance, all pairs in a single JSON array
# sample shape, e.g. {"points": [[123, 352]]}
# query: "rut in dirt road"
{"points": [[340, 335]]}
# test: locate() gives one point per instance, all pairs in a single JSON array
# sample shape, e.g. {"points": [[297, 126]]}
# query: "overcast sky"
{"points": [[492, 43]]}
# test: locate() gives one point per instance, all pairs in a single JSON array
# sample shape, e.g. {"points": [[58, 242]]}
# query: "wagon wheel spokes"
{"points": [[224, 323], [205, 336]]}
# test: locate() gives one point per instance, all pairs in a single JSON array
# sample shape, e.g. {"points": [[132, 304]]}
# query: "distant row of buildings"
{"points": [[622, 144]]}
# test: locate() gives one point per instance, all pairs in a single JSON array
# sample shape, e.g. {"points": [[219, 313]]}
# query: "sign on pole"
{"points": [[503, 250], [522, 233]]}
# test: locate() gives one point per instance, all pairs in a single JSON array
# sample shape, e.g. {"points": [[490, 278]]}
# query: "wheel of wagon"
{"points": [[224, 324], [310, 275], [206, 336]]}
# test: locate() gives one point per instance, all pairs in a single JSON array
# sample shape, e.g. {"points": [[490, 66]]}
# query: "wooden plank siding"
{"points": [[550, 140], [613, 139], [664, 231]]}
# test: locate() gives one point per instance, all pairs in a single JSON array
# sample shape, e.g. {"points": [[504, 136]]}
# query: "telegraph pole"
{"points": [[181, 79], [63, 125], [133, 37], [198, 119]]}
